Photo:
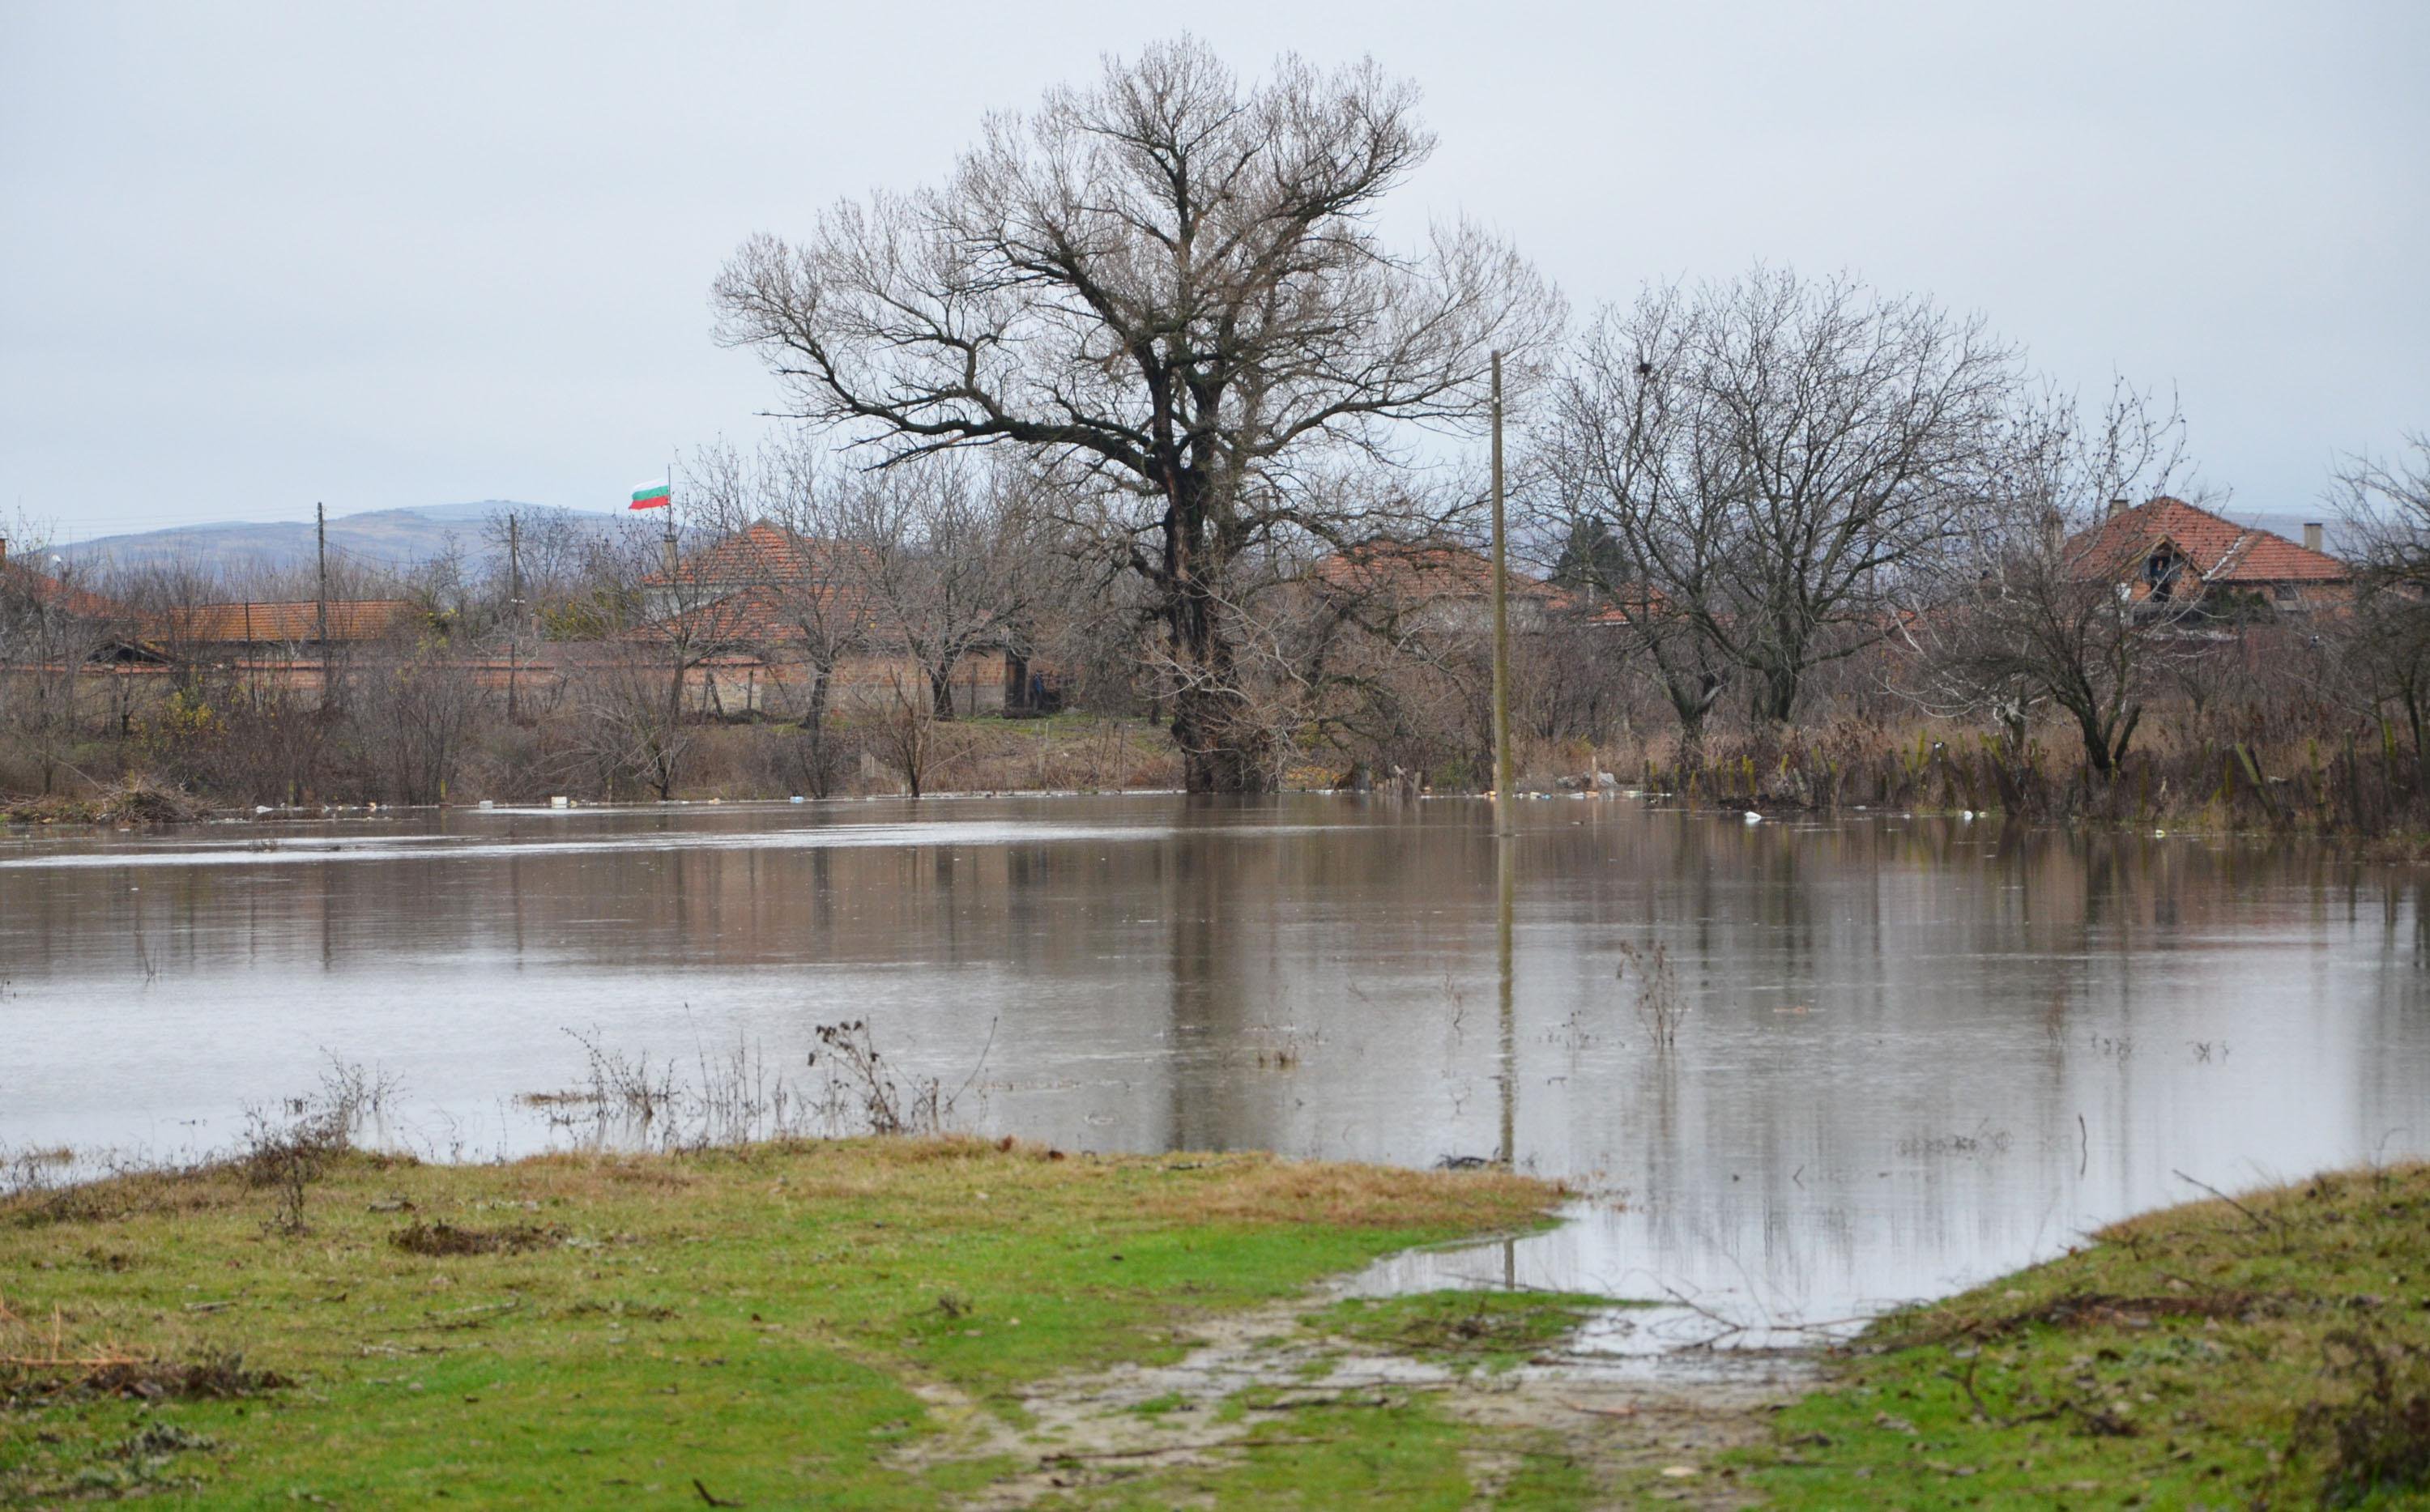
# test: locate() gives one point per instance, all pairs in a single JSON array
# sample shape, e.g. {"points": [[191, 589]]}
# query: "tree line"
{"points": [[1123, 392]]}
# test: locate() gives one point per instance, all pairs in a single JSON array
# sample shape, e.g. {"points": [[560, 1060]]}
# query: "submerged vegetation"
{"points": [[1468, 1330]]}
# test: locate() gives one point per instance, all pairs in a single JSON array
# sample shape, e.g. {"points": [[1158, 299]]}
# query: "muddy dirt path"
{"points": [[1644, 1429]]}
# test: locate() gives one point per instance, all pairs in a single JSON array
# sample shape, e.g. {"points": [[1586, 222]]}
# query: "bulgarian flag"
{"points": [[653, 496]]}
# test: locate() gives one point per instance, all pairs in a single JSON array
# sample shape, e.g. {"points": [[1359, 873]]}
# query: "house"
{"points": [[204, 630], [42, 618], [1445, 588], [777, 568], [21, 582], [2167, 555]]}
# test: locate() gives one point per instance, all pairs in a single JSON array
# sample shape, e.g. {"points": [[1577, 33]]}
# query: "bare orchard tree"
{"points": [[953, 558], [52, 626], [1173, 286], [809, 602], [416, 708], [2037, 610], [2383, 511], [1769, 459], [655, 633]]}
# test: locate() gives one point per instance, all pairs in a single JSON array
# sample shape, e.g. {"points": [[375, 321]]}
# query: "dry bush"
{"points": [[2375, 1438], [440, 1239], [45, 1358]]}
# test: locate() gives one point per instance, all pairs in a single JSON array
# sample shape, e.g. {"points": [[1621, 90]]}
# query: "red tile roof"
{"points": [[254, 624], [759, 553], [1426, 571], [750, 616], [51, 593], [2221, 552]]}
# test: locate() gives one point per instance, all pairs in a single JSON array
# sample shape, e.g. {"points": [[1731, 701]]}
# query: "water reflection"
{"points": [[1912, 1053]]}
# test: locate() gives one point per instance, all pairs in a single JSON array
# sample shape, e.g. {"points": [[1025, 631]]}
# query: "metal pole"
{"points": [[1501, 627], [670, 533]]}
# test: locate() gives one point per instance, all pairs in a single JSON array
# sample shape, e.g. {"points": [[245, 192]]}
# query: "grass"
{"points": [[765, 1325], [2271, 1350]]}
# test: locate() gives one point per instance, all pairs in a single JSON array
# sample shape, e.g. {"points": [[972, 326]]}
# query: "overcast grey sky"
{"points": [[380, 256]]}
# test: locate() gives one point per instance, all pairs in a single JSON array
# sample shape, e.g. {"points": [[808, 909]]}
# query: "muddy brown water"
{"points": [[1908, 1053]]}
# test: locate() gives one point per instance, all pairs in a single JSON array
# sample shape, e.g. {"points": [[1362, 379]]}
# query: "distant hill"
{"points": [[378, 538], [402, 537]]}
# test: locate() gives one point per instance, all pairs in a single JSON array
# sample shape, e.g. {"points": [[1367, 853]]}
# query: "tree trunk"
{"points": [[814, 709], [2096, 744], [1224, 748], [1778, 697], [941, 690], [2415, 719], [1221, 748]]}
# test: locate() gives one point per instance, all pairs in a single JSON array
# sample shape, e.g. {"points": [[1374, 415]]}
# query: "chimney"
{"points": [[2117, 507], [4, 550], [2312, 536]]}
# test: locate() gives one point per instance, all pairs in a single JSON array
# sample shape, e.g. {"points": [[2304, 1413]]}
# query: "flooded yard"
{"points": [[1795, 1071]]}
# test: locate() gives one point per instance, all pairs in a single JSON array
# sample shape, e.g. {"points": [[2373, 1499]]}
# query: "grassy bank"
{"points": [[777, 1325], [2271, 1350]]}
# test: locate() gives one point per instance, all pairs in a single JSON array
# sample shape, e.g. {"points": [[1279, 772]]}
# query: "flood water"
{"points": [[1909, 1053]]}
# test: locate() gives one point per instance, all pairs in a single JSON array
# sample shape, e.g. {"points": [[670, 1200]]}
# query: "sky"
{"points": [[264, 255]]}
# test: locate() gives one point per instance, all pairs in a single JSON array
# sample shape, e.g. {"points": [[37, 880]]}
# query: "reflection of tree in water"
{"points": [[1203, 994]]}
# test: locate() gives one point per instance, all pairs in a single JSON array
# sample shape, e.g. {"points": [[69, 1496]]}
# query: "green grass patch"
{"points": [[582, 1330], [2273, 1351], [1467, 1330]]}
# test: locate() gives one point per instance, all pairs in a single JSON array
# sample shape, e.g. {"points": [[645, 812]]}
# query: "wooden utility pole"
{"points": [[1504, 882], [514, 612], [321, 603], [1501, 627]]}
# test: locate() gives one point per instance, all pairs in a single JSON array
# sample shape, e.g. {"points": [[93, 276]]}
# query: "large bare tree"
{"points": [[1173, 286], [1766, 458]]}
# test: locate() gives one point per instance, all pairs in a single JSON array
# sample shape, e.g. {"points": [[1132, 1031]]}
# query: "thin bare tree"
{"points": [[2384, 511], [1169, 288], [953, 558], [802, 578], [658, 629], [2039, 610], [52, 627]]}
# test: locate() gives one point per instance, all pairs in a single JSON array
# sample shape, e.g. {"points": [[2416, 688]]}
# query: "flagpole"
{"points": [[671, 523]]}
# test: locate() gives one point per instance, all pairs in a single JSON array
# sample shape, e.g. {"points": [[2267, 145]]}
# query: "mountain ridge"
{"points": [[398, 539]]}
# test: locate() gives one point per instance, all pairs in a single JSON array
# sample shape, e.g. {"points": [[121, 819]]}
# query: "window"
{"points": [[2282, 592], [2161, 571]]}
